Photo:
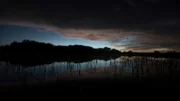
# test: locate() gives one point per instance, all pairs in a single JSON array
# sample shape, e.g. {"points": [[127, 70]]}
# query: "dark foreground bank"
{"points": [[91, 86]]}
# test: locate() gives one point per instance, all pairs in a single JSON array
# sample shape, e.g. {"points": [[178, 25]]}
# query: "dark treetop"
{"points": [[30, 52]]}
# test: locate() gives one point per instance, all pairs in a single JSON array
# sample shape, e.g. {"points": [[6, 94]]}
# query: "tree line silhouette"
{"points": [[31, 52]]}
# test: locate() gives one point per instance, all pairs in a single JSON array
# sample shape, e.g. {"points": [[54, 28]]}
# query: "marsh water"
{"points": [[120, 68]]}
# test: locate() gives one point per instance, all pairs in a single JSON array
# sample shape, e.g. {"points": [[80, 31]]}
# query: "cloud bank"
{"points": [[125, 28]]}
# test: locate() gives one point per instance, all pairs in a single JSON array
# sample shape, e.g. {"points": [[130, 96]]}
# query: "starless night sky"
{"points": [[137, 25]]}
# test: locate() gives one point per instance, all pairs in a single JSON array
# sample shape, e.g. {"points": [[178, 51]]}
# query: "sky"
{"points": [[10, 33], [137, 25]]}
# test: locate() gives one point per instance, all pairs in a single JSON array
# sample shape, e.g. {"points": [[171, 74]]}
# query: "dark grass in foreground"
{"points": [[164, 73], [94, 86]]}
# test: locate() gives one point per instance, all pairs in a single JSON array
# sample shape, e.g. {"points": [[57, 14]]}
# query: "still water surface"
{"points": [[120, 68]]}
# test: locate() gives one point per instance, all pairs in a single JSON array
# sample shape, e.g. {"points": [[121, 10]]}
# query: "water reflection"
{"points": [[122, 67]]}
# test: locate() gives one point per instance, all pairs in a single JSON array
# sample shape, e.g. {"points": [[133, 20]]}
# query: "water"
{"points": [[120, 68]]}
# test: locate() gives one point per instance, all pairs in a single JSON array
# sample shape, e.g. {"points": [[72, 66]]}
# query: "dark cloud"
{"points": [[156, 22]]}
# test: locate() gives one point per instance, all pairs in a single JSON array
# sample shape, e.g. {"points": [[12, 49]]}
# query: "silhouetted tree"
{"points": [[25, 50]]}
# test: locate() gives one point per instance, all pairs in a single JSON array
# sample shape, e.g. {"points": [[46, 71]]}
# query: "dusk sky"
{"points": [[10, 33], [137, 25]]}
